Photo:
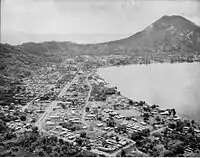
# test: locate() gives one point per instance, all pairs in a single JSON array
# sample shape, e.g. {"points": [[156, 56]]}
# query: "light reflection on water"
{"points": [[168, 85]]}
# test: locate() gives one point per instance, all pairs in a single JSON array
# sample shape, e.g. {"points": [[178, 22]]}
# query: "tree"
{"points": [[157, 134], [170, 112], [110, 122], [146, 116], [122, 128], [11, 107], [23, 118], [14, 149], [91, 128], [2, 116], [172, 125], [54, 138], [123, 153], [145, 132], [173, 112], [146, 108], [89, 148], [26, 110], [165, 132], [192, 122], [87, 109], [104, 144], [35, 129], [130, 102], [79, 141], [10, 135], [2, 126], [158, 118], [168, 153], [153, 106], [52, 155], [99, 118], [65, 148], [117, 139], [61, 141], [128, 118], [63, 106], [187, 122], [136, 136], [83, 134], [178, 149], [41, 154], [48, 149], [179, 126], [190, 130]]}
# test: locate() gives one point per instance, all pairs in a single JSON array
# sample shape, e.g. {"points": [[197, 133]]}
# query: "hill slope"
{"points": [[15, 62], [168, 34]]}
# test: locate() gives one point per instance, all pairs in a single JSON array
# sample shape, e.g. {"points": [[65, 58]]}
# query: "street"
{"points": [[42, 92], [87, 100], [52, 105]]}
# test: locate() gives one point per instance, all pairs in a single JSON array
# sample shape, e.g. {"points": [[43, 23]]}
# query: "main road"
{"points": [[40, 93], [53, 104], [87, 100]]}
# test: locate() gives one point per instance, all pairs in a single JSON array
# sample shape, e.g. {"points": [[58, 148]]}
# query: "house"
{"points": [[54, 117], [106, 149], [49, 123], [99, 124], [106, 128], [143, 123], [71, 137], [90, 115], [185, 128], [117, 117], [197, 130], [84, 127], [165, 113], [134, 119], [122, 142], [176, 118]]}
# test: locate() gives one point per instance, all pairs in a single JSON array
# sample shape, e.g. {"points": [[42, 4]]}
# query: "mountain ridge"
{"points": [[169, 34], [170, 30]]}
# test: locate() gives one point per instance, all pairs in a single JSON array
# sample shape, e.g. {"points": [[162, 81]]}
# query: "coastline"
{"points": [[157, 63], [181, 116]]}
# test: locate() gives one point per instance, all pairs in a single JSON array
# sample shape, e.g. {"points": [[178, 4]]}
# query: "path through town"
{"points": [[53, 104]]}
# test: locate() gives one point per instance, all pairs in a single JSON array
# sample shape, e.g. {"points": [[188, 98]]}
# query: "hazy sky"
{"points": [[85, 21]]}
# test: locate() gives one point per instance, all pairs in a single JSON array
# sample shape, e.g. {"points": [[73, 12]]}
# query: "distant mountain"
{"points": [[170, 34]]}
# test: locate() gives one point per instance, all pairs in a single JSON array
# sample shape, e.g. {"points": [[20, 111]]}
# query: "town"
{"points": [[74, 104]]}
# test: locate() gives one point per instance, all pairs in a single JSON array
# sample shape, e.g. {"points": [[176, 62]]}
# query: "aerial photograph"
{"points": [[100, 78]]}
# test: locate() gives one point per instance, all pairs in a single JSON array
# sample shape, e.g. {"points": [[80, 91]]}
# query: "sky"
{"points": [[85, 21]]}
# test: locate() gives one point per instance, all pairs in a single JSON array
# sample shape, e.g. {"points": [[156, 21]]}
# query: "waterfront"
{"points": [[168, 85]]}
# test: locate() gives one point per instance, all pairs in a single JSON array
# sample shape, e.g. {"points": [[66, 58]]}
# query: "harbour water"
{"points": [[168, 85]]}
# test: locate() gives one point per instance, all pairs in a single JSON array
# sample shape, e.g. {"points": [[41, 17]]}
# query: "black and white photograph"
{"points": [[100, 78]]}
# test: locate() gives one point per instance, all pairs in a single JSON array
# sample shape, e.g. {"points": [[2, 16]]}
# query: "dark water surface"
{"points": [[168, 85]]}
